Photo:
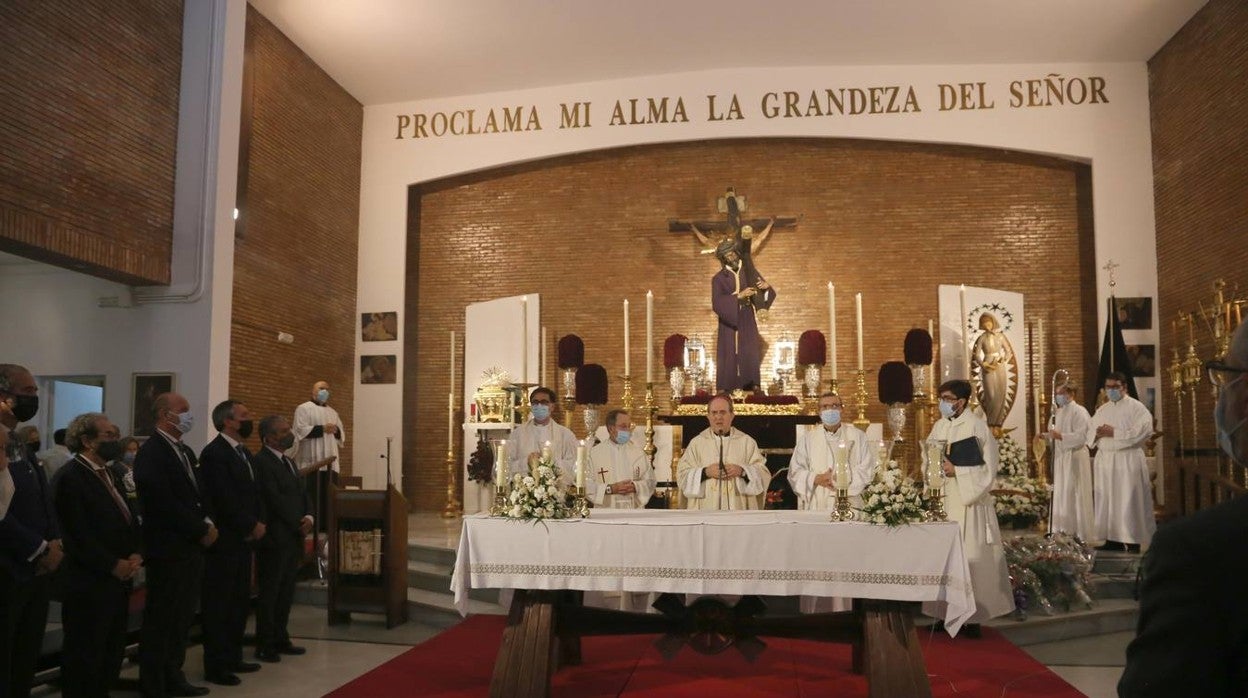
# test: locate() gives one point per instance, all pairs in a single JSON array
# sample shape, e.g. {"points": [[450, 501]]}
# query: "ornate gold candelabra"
{"points": [[1192, 368], [499, 508], [650, 409], [832, 386], [841, 510], [861, 396], [453, 506], [626, 400], [934, 480], [1176, 384], [1041, 445], [580, 503]]}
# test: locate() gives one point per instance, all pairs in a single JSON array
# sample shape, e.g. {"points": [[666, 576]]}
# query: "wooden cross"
{"points": [[603, 474], [711, 233]]}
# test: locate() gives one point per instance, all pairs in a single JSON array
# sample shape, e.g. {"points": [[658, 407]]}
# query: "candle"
{"points": [[858, 316], [842, 476], [931, 373], [500, 467], [649, 337], [452, 361], [524, 339], [832, 327], [966, 349], [580, 465], [450, 422], [546, 450], [626, 363], [541, 359], [1040, 369]]}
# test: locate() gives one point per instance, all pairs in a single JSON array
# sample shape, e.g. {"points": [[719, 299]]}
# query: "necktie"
{"points": [[291, 464], [242, 453], [102, 473], [177, 448]]}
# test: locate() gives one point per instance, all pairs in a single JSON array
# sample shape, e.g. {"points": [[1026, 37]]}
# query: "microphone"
{"points": [[721, 470]]}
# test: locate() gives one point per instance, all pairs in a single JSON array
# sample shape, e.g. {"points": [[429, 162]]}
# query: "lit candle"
{"points": [[931, 373], [500, 468], [649, 337], [966, 348], [832, 327], [858, 316], [541, 358], [546, 450], [524, 339], [626, 363], [842, 476], [580, 465]]}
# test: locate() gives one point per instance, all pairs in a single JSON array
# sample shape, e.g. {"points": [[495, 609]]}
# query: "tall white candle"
{"points": [[452, 362], [541, 359], [832, 328], [580, 465], [931, 373], [500, 468], [450, 422], [966, 348], [524, 339], [1040, 370], [626, 362], [649, 337], [858, 315]]}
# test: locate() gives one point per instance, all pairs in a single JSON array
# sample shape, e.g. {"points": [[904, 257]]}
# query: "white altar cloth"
{"points": [[777, 553]]}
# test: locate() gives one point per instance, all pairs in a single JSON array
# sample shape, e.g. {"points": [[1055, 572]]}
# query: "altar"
{"points": [[890, 571]]}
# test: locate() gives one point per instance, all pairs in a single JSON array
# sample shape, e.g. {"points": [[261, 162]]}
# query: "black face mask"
{"points": [[244, 428], [286, 442], [108, 450], [25, 407], [34, 447]]}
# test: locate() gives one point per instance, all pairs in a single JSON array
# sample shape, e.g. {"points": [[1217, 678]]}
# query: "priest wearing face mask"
{"points": [[1122, 494], [234, 499], [176, 529], [1072, 466], [722, 468], [970, 467], [318, 437], [618, 474], [812, 468], [526, 442], [1193, 611]]}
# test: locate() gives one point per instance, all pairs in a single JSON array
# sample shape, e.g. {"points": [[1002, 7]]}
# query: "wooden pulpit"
{"points": [[367, 554]]}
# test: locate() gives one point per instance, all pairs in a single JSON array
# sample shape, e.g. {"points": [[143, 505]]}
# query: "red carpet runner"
{"points": [[459, 662]]}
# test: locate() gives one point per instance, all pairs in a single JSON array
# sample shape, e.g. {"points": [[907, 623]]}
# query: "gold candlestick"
{"points": [[861, 396], [650, 409], [842, 511], [580, 503], [832, 386], [453, 507], [626, 400]]}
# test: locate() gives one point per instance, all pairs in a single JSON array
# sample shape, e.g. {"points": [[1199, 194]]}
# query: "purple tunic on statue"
{"points": [[739, 349]]}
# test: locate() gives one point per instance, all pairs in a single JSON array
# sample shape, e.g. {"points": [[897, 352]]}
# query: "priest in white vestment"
{"points": [[969, 500], [618, 475], [528, 439], [317, 428], [1072, 466], [722, 468], [1122, 492], [811, 473]]}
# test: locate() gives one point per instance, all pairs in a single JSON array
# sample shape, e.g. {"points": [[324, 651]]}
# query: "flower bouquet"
{"points": [[538, 495], [1021, 501], [1050, 571], [892, 499]]}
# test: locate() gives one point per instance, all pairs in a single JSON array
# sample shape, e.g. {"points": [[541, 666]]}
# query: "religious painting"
{"points": [[379, 369], [144, 389], [379, 327], [1135, 313], [1148, 396], [1143, 358]]}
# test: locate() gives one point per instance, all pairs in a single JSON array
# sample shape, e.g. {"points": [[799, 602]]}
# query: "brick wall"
{"points": [[295, 262], [88, 133], [892, 220], [1200, 166]]}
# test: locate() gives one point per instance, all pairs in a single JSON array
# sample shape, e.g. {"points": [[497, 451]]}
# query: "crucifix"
{"points": [[1111, 266], [603, 474], [711, 233]]}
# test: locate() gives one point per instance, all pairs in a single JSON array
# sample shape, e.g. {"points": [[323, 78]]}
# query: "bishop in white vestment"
{"points": [[1122, 493], [735, 481], [969, 500], [1072, 467], [619, 475], [532, 436]]}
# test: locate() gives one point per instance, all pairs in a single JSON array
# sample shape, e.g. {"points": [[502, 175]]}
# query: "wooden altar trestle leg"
{"points": [[891, 654]]}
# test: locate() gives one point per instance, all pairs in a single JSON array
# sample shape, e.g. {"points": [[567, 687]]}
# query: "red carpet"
{"points": [[459, 662]]}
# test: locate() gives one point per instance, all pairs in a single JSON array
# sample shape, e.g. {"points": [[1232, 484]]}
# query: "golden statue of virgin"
{"points": [[995, 371]]}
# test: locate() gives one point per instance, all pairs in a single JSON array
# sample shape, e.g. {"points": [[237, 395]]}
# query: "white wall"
{"points": [[1114, 137]]}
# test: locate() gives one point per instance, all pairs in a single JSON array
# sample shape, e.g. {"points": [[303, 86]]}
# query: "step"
{"points": [[1105, 616], [428, 607], [1113, 586], [1106, 562], [431, 554], [437, 578]]}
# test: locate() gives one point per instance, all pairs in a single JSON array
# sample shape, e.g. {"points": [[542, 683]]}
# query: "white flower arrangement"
{"points": [[1021, 500], [538, 495], [892, 499]]}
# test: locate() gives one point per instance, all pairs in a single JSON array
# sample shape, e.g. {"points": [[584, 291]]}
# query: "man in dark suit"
{"points": [[176, 529], [230, 482], [101, 557], [30, 545], [279, 553], [1192, 638]]}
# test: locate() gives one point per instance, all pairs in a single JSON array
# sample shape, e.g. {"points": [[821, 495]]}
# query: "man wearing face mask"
{"points": [[1072, 467], [234, 499], [1122, 495], [970, 468], [527, 440], [30, 545], [176, 530], [318, 437], [618, 476], [812, 468], [1193, 613], [101, 558], [279, 552]]}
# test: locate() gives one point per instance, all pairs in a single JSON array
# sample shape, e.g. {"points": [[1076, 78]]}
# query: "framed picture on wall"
{"points": [[1143, 358], [1135, 313], [379, 369], [379, 327], [143, 391]]}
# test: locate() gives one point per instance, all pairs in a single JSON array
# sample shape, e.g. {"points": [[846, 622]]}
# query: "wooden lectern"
{"points": [[367, 554]]}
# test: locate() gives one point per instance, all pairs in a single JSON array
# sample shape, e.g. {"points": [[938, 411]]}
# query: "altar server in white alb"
{"points": [[527, 440], [722, 468], [1122, 493], [970, 467], [619, 475], [812, 468], [1072, 466], [317, 428]]}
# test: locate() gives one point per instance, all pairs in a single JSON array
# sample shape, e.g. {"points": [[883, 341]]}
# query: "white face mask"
{"points": [[946, 409], [1061, 400]]}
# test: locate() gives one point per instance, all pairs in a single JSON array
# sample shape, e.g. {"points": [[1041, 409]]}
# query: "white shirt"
{"points": [[309, 450]]}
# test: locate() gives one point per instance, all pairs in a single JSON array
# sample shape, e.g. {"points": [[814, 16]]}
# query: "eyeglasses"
{"points": [[950, 398], [1220, 374]]}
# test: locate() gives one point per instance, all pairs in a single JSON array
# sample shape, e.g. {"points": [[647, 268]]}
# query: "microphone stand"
{"points": [[720, 479]]}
